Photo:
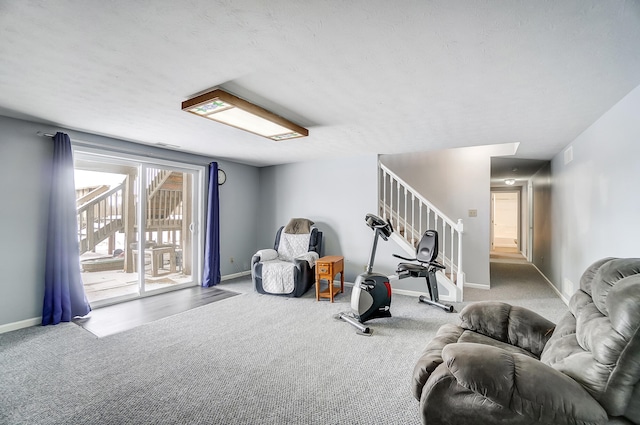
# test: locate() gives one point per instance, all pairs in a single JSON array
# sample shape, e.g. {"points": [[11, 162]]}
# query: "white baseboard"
{"points": [[477, 285], [442, 297], [417, 294], [20, 325], [234, 275], [562, 297], [408, 292]]}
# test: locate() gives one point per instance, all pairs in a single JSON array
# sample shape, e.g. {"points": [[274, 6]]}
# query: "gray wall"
{"points": [[335, 194], [23, 163], [595, 201], [24, 169], [541, 254], [239, 207], [455, 181]]}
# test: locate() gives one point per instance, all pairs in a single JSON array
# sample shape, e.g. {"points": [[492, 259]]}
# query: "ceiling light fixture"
{"points": [[510, 182], [218, 105]]}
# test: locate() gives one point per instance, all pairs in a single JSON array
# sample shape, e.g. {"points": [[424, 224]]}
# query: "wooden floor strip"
{"points": [[121, 317]]}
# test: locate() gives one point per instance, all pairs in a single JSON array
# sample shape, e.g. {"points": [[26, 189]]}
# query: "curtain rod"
{"points": [[158, 145], [168, 147], [85, 143]]}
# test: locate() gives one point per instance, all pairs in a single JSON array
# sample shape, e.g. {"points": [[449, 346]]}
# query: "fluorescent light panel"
{"points": [[218, 105]]}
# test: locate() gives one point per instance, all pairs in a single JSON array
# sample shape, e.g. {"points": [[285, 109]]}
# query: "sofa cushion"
{"points": [[448, 334], [510, 324], [470, 336]]}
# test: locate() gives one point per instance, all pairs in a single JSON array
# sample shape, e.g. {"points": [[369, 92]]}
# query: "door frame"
{"points": [[518, 193], [197, 214]]}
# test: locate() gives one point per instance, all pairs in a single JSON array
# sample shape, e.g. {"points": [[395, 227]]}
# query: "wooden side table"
{"points": [[156, 255], [326, 268]]}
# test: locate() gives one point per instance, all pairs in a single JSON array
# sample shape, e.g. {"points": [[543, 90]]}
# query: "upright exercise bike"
{"points": [[371, 295], [427, 266]]}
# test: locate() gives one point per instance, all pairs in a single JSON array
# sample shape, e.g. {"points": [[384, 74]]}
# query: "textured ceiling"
{"points": [[365, 76]]}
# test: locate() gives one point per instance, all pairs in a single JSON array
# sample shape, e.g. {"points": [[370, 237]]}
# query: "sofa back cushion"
{"points": [[597, 342]]}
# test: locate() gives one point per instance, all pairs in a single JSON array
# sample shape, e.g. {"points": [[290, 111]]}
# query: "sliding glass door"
{"points": [[137, 225], [166, 217]]}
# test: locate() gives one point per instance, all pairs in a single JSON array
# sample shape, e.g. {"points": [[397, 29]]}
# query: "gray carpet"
{"points": [[244, 360]]}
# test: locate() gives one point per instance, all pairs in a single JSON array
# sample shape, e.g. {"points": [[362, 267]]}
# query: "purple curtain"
{"points": [[64, 296], [211, 273]]}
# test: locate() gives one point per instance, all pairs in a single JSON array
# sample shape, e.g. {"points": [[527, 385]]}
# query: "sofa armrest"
{"points": [[431, 356], [511, 324], [521, 384]]}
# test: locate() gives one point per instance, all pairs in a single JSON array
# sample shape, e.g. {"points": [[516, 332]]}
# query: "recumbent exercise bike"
{"points": [[427, 266]]}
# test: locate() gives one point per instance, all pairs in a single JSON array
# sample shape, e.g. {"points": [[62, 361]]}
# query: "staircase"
{"points": [[100, 215], [101, 210], [164, 200], [411, 215]]}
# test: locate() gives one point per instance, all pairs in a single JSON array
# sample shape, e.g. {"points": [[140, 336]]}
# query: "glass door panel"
{"points": [[168, 215], [106, 227], [135, 227]]}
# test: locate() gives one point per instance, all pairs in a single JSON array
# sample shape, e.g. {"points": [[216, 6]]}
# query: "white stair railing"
{"points": [[411, 214], [155, 178]]}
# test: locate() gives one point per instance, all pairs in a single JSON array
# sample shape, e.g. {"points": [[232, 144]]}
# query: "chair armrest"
{"points": [[431, 356], [308, 258], [521, 384], [511, 324], [266, 254]]}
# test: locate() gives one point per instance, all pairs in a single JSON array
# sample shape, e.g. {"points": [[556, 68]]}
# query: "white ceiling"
{"points": [[364, 76]]}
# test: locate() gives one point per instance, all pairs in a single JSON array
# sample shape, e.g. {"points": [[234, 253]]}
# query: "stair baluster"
{"points": [[392, 188]]}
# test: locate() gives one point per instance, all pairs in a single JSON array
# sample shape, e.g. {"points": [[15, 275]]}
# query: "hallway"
{"points": [[512, 255], [517, 282]]}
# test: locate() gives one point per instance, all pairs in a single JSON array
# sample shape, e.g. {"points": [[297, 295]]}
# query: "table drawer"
{"points": [[323, 268]]}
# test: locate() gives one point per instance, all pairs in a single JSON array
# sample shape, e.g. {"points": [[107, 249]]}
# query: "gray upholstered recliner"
{"points": [[289, 268], [508, 365]]}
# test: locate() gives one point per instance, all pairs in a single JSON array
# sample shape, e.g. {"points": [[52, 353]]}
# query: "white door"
{"points": [[505, 219]]}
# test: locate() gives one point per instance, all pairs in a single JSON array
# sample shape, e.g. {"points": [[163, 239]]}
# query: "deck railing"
{"points": [[100, 211], [100, 217], [411, 215], [164, 210]]}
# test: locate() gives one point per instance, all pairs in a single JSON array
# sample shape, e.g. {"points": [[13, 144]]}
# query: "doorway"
{"points": [[505, 224], [136, 225]]}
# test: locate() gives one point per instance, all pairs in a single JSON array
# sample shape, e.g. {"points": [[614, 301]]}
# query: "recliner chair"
{"points": [[289, 268], [508, 365]]}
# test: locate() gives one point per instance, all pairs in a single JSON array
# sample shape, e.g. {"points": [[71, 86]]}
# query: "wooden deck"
{"points": [[103, 285]]}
